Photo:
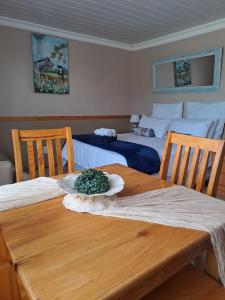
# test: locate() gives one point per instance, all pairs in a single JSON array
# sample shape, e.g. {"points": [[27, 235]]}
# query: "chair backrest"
{"points": [[191, 172], [35, 141]]}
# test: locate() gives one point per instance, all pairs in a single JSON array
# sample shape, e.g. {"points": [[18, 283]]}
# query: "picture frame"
{"points": [[50, 64]]}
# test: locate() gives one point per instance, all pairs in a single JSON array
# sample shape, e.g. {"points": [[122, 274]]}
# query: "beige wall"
{"points": [[141, 72], [103, 80], [99, 79], [99, 84]]}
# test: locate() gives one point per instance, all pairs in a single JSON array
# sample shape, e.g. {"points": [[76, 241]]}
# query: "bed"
{"points": [[88, 156], [205, 119]]}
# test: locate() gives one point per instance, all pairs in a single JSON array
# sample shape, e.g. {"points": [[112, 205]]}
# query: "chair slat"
{"points": [[17, 155], [176, 164], [40, 133], [59, 156], [166, 157], [202, 170], [51, 161], [69, 147], [53, 137], [194, 141], [41, 163], [216, 170], [184, 166], [31, 161], [193, 169]]}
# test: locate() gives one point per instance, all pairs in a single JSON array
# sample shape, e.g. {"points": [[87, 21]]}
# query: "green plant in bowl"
{"points": [[92, 182]]}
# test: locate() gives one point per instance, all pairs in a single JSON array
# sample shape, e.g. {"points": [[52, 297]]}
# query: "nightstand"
{"points": [[221, 186]]}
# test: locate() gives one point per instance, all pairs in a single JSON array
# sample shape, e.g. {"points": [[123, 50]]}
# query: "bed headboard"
{"points": [[207, 110], [214, 110]]}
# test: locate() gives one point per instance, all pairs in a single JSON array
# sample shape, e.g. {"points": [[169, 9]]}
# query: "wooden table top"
{"points": [[60, 254]]}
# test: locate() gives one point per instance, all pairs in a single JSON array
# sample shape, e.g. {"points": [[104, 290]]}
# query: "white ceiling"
{"points": [[124, 21]]}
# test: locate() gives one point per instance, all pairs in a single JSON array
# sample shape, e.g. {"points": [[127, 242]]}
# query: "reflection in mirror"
{"points": [[195, 72], [186, 73]]}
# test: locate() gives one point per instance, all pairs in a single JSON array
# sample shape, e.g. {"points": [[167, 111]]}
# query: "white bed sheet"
{"points": [[88, 156]]}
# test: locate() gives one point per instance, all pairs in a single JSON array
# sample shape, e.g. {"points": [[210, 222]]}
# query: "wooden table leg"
{"points": [[8, 282]]}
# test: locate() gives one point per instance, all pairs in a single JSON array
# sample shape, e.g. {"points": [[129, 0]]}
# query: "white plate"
{"points": [[116, 184]]}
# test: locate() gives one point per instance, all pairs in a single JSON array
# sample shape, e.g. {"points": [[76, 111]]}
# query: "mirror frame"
{"points": [[217, 52]]}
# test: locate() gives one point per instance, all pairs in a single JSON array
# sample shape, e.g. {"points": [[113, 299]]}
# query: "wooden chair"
{"points": [[188, 284], [35, 140], [192, 174], [192, 283]]}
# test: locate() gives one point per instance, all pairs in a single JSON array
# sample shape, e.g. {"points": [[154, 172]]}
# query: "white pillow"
{"points": [[192, 127], [207, 110], [160, 126], [212, 129], [170, 111]]}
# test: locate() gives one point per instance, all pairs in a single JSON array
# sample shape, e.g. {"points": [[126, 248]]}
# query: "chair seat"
{"points": [[188, 284]]}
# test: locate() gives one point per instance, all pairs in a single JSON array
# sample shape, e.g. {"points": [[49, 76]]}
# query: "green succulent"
{"points": [[92, 182]]}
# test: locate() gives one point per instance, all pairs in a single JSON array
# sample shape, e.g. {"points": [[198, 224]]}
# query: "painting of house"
{"points": [[50, 64]]}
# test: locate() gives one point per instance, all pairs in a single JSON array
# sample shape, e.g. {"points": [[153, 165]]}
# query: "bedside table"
{"points": [[221, 186]]}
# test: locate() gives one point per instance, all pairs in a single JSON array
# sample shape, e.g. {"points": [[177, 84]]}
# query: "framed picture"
{"points": [[50, 64], [182, 72]]}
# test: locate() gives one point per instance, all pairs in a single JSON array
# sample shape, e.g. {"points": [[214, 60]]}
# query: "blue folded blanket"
{"points": [[102, 139], [142, 158]]}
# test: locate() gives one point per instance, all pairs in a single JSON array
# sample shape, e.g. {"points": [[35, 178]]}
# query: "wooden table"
{"points": [[59, 254]]}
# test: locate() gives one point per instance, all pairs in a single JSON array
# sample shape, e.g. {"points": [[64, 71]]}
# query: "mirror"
{"points": [[199, 71]]}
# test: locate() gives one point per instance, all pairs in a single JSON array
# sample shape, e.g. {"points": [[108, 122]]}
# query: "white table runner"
{"points": [[180, 207], [28, 192]]}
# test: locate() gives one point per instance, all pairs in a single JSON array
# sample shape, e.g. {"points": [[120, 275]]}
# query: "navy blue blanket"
{"points": [[102, 139], [139, 157]]}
